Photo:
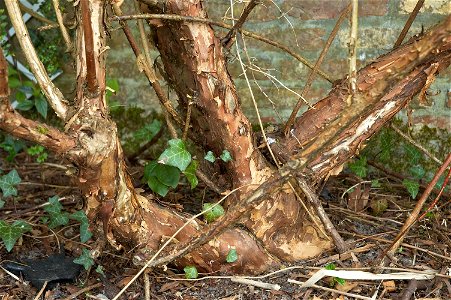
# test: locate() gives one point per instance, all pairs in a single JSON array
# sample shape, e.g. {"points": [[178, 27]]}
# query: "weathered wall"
{"points": [[304, 25]]}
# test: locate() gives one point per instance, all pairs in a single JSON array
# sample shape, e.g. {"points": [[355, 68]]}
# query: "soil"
{"points": [[363, 222]]}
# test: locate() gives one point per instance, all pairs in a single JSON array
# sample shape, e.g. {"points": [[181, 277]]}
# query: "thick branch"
{"points": [[91, 76], [52, 93], [384, 86]]}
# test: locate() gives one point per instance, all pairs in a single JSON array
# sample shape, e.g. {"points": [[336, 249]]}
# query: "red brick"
{"points": [[330, 9]]}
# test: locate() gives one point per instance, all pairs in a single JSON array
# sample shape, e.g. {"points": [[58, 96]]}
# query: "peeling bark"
{"points": [[273, 228]]}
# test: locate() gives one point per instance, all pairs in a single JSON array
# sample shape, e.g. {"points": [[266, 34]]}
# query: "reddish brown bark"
{"points": [[278, 226]]}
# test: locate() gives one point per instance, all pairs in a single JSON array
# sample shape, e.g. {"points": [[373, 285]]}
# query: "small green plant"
{"points": [[225, 156], [12, 146], [85, 259], [213, 213], [340, 281], [190, 272], [39, 152], [8, 183], [164, 173], [10, 233], [57, 217], [232, 256]]}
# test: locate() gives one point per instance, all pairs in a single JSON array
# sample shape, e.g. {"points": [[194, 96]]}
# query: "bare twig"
{"points": [[313, 72], [227, 41], [36, 15], [62, 27], [353, 47], [420, 147], [147, 68], [187, 120], [83, 290], [330, 228], [223, 25], [52, 93], [91, 74], [412, 218], [263, 285], [409, 22], [41, 291], [433, 203]]}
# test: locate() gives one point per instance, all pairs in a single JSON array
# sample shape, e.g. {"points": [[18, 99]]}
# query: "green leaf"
{"points": [[232, 256], [167, 175], [8, 183], [359, 167], [340, 281], [35, 150], [156, 186], [14, 82], [213, 213], [56, 216], [375, 183], [330, 266], [412, 187], [85, 234], [2, 203], [54, 206], [413, 154], [25, 105], [417, 171], [100, 270], [190, 272], [147, 132], [60, 219], [41, 105], [148, 169], [81, 217], [85, 259], [226, 156], [176, 155], [11, 233], [210, 157], [42, 157], [190, 173]]}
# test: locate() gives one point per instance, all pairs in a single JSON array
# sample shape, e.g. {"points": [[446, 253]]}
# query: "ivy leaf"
{"points": [[375, 183], [54, 206], [81, 217], [60, 219], [213, 213], [85, 259], [210, 157], [8, 183], [147, 132], [176, 155], [56, 216], [190, 272], [412, 187], [156, 186], [2, 203], [190, 173], [11, 233], [413, 154], [359, 167], [41, 106], [232, 256], [167, 175], [417, 171], [226, 156]]}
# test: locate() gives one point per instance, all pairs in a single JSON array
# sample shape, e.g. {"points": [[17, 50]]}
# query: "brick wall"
{"points": [[304, 25]]}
